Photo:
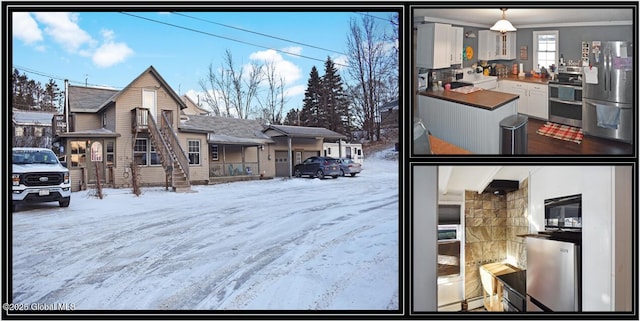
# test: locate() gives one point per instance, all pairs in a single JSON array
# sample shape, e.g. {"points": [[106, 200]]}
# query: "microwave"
{"points": [[563, 213]]}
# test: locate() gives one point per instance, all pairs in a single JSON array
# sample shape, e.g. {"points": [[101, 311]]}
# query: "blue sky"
{"points": [[112, 48]]}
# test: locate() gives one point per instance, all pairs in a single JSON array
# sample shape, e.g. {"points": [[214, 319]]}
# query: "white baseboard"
{"points": [[451, 307]]}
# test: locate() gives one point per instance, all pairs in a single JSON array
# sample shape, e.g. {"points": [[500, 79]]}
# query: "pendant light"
{"points": [[503, 25]]}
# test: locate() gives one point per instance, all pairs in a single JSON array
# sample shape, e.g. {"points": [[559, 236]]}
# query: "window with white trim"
{"points": [[214, 152], [140, 151], [78, 153], [193, 146], [545, 48]]}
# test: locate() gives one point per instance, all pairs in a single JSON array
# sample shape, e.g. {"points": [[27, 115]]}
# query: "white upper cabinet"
{"points": [[455, 39], [493, 45], [433, 46]]}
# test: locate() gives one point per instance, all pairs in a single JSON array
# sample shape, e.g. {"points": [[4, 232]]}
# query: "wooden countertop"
{"points": [[534, 80], [440, 147], [485, 99]]}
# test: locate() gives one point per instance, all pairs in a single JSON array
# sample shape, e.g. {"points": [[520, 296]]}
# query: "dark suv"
{"points": [[318, 167]]}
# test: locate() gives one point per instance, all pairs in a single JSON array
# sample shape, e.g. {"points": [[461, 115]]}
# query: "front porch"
{"points": [[233, 163]]}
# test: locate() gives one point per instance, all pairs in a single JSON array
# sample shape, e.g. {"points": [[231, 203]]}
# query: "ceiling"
{"points": [[457, 179], [526, 17]]}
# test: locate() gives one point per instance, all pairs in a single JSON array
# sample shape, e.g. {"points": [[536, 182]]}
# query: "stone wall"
{"points": [[492, 223], [517, 224], [485, 236]]}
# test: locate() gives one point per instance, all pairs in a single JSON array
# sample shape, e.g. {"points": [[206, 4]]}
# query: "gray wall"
{"points": [[570, 41], [424, 223]]}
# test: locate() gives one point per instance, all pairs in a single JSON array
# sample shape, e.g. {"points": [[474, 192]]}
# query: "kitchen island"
{"points": [[471, 120]]}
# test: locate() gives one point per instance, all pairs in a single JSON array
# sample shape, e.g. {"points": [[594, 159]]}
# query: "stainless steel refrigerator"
{"points": [[553, 276], [607, 93]]}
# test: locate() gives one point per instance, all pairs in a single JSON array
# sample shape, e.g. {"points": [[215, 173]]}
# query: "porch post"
{"points": [[290, 156], [340, 148], [258, 158]]}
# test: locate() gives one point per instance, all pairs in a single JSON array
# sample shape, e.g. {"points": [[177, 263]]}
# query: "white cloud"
{"points": [[25, 28], [111, 53], [295, 90], [288, 70], [341, 62], [293, 50], [63, 28]]}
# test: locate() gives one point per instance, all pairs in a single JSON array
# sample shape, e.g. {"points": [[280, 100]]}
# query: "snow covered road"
{"points": [[294, 244]]}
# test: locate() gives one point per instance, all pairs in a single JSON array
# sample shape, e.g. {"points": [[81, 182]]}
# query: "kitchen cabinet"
{"points": [[433, 48], [455, 39], [538, 101], [493, 45], [472, 128], [534, 99]]}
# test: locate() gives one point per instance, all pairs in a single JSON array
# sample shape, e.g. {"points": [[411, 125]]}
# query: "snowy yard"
{"points": [[294, 244]]}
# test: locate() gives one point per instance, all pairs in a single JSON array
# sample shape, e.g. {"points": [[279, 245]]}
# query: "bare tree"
{"points": [[371, 64], [216, 90], [229, 89], [274, 100]]}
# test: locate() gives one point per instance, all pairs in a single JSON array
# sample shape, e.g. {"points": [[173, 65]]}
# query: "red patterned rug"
{"points": [[564, 132]]}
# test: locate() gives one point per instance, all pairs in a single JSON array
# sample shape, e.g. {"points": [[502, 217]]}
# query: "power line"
{"points": [[227, 38], [257, 33], [395, 23], [43, 74]]}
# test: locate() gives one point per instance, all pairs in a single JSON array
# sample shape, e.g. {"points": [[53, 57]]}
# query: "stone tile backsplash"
{"points": [[492, 223]]}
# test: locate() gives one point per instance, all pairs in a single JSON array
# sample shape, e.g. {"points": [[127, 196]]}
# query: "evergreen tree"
{"points": [[291, 118], [311, 114], [28, 94], [334, 100]]}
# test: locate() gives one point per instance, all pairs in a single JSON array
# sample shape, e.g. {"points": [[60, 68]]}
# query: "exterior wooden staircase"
{"points": [[173, 158]]}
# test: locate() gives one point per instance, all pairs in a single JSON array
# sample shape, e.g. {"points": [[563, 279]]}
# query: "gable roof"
{"points": [[31, 118], [89, 99], [94, 99], [302, 132], [225, 130], [192, 105]]}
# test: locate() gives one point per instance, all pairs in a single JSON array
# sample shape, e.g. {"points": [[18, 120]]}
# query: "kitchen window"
{"points": [[449, 240], [545, 48]]}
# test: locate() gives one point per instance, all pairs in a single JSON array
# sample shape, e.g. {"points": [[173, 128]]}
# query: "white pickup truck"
{"points": [[38, 176]]}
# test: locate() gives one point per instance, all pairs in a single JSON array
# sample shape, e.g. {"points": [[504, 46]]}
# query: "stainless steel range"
{"points": [[565, 96]]}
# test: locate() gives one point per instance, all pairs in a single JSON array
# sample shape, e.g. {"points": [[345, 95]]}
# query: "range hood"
{"points": [[501, 186]]}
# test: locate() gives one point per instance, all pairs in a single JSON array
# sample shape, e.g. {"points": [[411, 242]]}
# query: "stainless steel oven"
{"points": [[565, 97]]}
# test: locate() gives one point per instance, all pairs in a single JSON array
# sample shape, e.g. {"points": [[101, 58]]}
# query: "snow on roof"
{"points": [[25, 118], [301, 131], [226, 129]]}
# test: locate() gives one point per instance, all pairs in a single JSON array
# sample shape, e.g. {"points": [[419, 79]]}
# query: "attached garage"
{"points": [[293, 144]]}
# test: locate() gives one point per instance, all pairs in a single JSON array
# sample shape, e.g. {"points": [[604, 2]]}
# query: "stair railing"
{"points": [[172, 138]]}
